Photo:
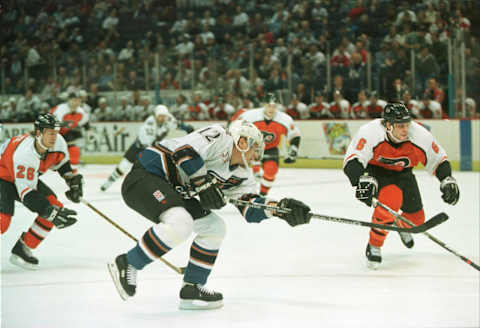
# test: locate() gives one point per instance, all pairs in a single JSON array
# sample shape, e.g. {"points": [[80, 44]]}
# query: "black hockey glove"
{"points": [[450, 191], [299, 212], [61, 217], [186, 127], [211, 197], [75, 183], [367, 188], [292, 155]]}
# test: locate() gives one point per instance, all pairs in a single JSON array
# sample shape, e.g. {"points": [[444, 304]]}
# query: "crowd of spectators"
{"points": [[239, 51]]}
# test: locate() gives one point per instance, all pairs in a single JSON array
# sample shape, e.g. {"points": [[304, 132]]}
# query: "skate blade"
{"points": [[112, 269], [18, 261], [199, 305], [373, 265]]}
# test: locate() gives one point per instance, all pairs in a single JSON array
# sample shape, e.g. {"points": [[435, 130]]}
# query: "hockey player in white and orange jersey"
{"points": [[22, 160], [379, 163], [72, 120], [273, 124]]}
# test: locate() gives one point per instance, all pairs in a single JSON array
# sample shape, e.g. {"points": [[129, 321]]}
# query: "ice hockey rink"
{"points": [[271, 275]]}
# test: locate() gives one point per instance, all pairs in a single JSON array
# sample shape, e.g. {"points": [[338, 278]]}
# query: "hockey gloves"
{"points": [[75, 183], [186, 127], [61, 217], [298, 214], [292, 155], [367, 188], [450, 191], [211, 197]]}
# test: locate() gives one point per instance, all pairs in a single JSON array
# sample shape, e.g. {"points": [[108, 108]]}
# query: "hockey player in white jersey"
{"points": [[379, 163], [162, 186], [155, 128], [22, 160]]}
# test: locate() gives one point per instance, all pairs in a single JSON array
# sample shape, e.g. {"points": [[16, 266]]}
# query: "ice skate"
{"points": [[406, 239], [22, 256], [374, 257], [197, 297], [107, 184], [124, 276]]}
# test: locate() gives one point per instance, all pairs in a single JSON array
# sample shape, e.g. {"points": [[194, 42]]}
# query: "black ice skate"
{"points": [[107, 184], [124, 276], [22, 256], [406, 239], [374, 257], [197, 297]]}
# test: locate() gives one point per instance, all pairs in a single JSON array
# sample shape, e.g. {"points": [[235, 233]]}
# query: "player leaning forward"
{"points": [[211, 163], [22, 160], [155, 128], [379, 162]]}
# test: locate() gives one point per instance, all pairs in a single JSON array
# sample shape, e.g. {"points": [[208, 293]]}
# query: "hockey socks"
{"points": [[200, 264], [148, 249]]}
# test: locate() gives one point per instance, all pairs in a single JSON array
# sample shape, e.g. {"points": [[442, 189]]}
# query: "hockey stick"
{"points": [[279, 157], [170, 265], [434, 221], [436, 240]]}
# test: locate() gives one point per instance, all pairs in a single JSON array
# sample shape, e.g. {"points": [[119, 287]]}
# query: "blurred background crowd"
{"points": [[207, 59]]}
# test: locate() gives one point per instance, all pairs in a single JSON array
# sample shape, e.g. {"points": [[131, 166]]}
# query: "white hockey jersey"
{"points": [[205, 151], [371, 147], [21, 164], [151, 130]]}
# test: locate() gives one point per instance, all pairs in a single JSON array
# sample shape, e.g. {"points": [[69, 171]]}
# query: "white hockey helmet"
{"points": [[242, 128], [161, 110]]}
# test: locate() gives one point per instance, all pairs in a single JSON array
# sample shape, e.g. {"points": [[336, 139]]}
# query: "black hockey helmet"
{"points": [[396, 113], [46, 121]]}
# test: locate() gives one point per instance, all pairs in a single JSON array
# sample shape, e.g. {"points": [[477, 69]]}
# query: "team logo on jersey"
{"points": [[225, 157], [401, 161], [231, 182], [158, 195], [268, 137]]}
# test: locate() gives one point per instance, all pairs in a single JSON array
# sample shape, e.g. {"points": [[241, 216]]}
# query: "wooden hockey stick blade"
{"points": [[180, 270]]}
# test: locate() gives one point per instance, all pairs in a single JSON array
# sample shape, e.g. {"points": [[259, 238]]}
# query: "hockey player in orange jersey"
{"points": [[379, 163], [273, 124], [72, 119], [22, 160]]}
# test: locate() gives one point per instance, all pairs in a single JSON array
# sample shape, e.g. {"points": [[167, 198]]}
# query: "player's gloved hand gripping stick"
{"points": [[434, 221]]}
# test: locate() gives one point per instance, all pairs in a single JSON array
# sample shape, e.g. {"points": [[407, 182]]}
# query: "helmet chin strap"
{"points": [[242, 153], [392, 137], [40, 143]]}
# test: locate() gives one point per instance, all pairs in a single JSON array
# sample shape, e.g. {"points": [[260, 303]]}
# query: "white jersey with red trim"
{"points": [[272, 130], [371, 146], [21, 164]]}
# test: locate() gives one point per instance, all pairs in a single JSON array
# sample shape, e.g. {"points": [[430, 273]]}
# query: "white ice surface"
{"points": [[271, 275]]}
